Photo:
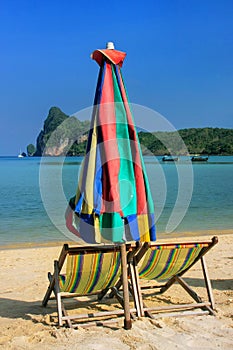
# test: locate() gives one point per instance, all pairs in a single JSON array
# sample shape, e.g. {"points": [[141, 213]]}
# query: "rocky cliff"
{"points": [[61, 135]]}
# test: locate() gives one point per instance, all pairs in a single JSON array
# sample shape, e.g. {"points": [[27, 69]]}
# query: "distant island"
{"points": [[67, 135], [203, 141], [61, 135]]}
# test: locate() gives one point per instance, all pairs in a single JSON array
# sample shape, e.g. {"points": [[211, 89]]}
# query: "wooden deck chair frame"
{"points": [[207, 307], [126, 250]]}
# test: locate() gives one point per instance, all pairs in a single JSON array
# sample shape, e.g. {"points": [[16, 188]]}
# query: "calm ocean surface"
{"points": [[34, 196]]}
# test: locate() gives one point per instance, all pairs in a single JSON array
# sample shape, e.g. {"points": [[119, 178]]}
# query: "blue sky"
{"points": [[179, 60]]}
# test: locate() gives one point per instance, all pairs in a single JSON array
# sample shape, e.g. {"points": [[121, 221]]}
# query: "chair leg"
{"points": [[127, 320], [169, 283], [117, 286], [138, 290], [52, 280], [49, 290], [134, 289], [188, 289], [194, 294], [207, 283], [58, 293]]}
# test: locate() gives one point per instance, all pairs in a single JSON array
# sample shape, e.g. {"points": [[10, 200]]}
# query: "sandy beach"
{"points": [[25, 324]]}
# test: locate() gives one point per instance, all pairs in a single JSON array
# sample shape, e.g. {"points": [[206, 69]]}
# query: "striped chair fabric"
{"points": [[90, 273], [161, 262]]}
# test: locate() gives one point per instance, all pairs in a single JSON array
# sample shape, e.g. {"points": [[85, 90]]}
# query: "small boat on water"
{"points": [[170, 159], [199, 158], [21, 154]]}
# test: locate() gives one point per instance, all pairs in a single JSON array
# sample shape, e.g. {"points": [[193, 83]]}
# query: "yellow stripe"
{"points": [[143, 227], [98, 237], [92, 270], [111, 269], [70, 273], [89, 191]]}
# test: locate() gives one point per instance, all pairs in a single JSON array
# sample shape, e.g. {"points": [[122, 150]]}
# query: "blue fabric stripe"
{"points": [[98, 185], [187, 258], [98, 272], [78, 207], [151, 218], [79, 273], [100, 85], [133, 227], [86, 227], [116, 270], [170, 257], [149, 261]]}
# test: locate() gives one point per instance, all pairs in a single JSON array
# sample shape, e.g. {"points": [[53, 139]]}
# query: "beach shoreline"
{"points": [[174, 236], [25, 324]]}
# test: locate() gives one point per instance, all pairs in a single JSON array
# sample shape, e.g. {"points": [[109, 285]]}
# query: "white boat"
{"points": [[21, 155]]}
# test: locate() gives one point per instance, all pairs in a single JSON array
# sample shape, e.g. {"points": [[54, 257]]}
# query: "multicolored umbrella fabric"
{"points": [[113, 202]]}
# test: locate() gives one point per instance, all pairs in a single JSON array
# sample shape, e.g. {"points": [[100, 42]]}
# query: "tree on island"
{"points": [[31, 149]]}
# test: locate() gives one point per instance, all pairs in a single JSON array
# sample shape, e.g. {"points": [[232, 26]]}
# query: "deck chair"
{"points": [[169, 262], [91, 270]]}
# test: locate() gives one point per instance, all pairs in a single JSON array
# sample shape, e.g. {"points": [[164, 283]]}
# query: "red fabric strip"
{"points": [[111, 162]]}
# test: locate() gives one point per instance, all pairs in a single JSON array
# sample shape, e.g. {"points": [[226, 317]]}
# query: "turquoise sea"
{"points": [[33, 196]]}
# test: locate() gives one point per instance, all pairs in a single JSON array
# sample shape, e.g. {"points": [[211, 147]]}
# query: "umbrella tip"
{"points": [[110, 45]]}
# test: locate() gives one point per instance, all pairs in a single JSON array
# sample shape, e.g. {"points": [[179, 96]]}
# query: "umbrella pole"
{"points": [[127, 320]]}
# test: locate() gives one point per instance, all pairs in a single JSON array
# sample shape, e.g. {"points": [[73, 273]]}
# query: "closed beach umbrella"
{"points": [[113, 202]]}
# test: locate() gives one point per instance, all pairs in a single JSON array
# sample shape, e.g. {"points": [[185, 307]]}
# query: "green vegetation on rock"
{"points": [[208, 140]]}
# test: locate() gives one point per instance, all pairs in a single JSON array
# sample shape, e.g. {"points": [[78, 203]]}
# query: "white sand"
{"points": [[25, 324]]}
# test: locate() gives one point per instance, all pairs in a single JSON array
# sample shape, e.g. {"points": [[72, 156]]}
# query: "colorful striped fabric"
{"points": [[113, 202], [163, 262], [89, 273]]}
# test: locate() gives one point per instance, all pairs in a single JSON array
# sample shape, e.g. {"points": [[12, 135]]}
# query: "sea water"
{"points": [[187, 196]]}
